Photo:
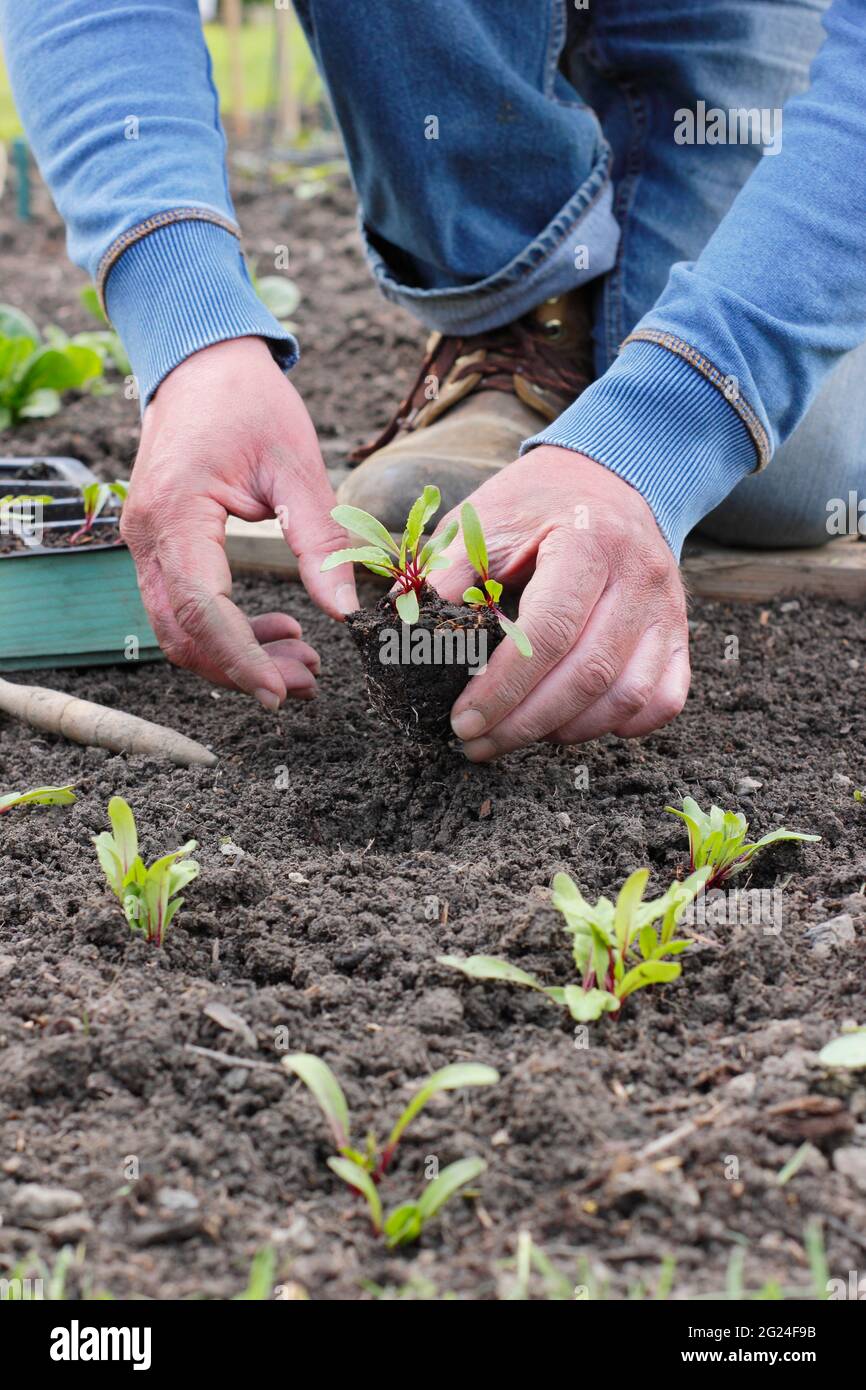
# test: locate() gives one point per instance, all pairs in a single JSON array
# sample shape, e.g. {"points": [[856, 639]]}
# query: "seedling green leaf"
{"points": [[407, 607], [358, 1177], [476, 550], [406, 1222], [403, 563], [616, 950], [364, 1170], [451, 1078], [94, 497], [38, 796], [718, 840], [148, 895], [318, 1078], [491, 968], [362, 524], [849, 1051], [473, 539]]}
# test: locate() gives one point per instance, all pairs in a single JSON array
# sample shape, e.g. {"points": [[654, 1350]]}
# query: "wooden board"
{"points": [[835, 570], [258, 547]]}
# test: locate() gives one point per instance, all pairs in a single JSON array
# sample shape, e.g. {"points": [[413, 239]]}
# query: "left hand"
{"points": [[604, 609]]}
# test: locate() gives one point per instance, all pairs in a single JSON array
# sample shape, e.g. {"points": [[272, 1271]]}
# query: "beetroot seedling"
{"points": [[406, 564], [718, 840], [38, 796], [476, 550], [617, 949], [364, 1169], [94, 498], [147, 894]]}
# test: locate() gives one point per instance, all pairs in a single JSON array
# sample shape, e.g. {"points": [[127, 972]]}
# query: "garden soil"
{"points": [[337, 863]]}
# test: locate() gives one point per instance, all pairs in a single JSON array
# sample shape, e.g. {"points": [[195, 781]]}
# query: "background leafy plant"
{"points": [[363, 1169], [33, 374]]}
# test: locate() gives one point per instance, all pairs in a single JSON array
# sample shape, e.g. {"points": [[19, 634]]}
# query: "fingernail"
{"points": [[468, 723], [346, 599], [268, 698], [480, 750]]}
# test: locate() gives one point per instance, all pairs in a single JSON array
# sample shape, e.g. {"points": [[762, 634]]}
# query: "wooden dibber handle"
{"points": [[98, 725]]}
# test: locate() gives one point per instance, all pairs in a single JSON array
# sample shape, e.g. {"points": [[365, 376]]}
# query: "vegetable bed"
{"points": [[335, 867], [690, 1143]]}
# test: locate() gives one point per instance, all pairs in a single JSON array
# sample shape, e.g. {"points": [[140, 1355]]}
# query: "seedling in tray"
{"points": [[718, 840], [617, 949], [364, 1169], [147, 894], [94, 498], [476, 549], [403, 563], [38, 796]]}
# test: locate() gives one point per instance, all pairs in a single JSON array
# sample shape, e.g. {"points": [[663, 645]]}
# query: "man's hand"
{"points": [[604, 609], [227, 435]]}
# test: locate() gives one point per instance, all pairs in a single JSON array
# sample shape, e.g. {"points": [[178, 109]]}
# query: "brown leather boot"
{"points": [[474, 402]]}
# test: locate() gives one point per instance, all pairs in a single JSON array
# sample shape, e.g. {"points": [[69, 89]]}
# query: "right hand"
{"points": [[227, 435]]}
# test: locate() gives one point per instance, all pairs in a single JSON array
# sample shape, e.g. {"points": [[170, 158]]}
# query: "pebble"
{"points": [[438, 1011], [747, 785], [835, 932], [851, 1163], [177, 1199], [841, 779], [741, 1087], [75, 1226], [7, 965], [39, 1203]]}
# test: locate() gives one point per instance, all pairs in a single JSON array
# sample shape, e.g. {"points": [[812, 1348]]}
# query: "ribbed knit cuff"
{"points": [[655, 420], [183, 288]]}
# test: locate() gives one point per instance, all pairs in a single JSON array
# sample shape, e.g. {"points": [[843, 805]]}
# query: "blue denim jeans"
{"points": [[508, 150]]}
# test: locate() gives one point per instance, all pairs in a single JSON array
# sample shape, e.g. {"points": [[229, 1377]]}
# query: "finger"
{"points": [[584, 677], [296, 662], [313, 535], [299, 678], [667, 702], [628, 696], [270, 627], [198, 581], [568, 582], [291, 649]]}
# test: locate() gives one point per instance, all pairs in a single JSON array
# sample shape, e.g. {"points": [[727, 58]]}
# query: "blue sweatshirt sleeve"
{"points": [[727, 362], [122, 114]]}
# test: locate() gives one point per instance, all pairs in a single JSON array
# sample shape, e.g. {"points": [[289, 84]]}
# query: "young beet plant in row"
{"points": [[449, 641], [617, 947], [718, 840], [147, 894], [364, 1169]]}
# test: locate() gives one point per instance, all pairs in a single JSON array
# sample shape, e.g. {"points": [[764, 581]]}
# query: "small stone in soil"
{"points": [[38, 1203]]}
